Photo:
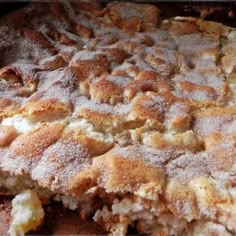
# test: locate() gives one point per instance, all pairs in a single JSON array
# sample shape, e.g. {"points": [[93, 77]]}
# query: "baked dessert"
{"points": [[120, 115]]}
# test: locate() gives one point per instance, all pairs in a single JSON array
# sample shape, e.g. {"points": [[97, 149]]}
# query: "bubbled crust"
{"points": [[48, 109], [113, 169], [135, 19], [88, 64], [114, 103], [32, 144]]}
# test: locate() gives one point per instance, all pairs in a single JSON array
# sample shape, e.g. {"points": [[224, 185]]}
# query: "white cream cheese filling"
{"points": [[89, 130], [27, 213], [21, 124]]}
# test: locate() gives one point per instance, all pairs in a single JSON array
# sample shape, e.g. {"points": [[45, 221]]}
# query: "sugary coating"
{"points": [[125, 116]]}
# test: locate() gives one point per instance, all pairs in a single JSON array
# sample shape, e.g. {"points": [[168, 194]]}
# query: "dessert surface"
{"points": [[121, 116]]}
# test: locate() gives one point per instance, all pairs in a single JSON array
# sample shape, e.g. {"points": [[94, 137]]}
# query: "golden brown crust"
{"points": [[177, 195], [45, 110], [32, 144], [127, 117], [38, 38], [95, 146], [53, 63], [113, 169], [7, 106], [133, 17], [102, 89], [7, 135], [86, 64]]}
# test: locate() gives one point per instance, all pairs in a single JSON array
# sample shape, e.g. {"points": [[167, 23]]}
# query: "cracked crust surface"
{"points": [[122, 115]]}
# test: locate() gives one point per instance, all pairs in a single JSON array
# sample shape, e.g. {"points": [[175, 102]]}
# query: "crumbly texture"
{"points": [[27, 213], [57, 221], [124, 116]]}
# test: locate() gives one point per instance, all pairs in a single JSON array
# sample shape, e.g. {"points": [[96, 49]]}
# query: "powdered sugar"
{"points": [[188, 166], [216, 81], [119, 109], [58, 84], [85, 55], [60, 162], [177, 110], [150, 156], [157, 103], [186, 66], [169, 56], [198, 95], [194, 43], [162, 38], [47, 78], [119, 80], [214, 124]]}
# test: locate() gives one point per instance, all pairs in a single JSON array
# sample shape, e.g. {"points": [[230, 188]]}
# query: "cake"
{"points": [[119, 114]]}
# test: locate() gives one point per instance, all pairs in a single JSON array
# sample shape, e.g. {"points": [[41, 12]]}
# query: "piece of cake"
{"points": [[121, 115]]}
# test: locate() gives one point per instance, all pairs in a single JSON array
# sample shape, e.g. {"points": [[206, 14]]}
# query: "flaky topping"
{"points": [[117, 99]]}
